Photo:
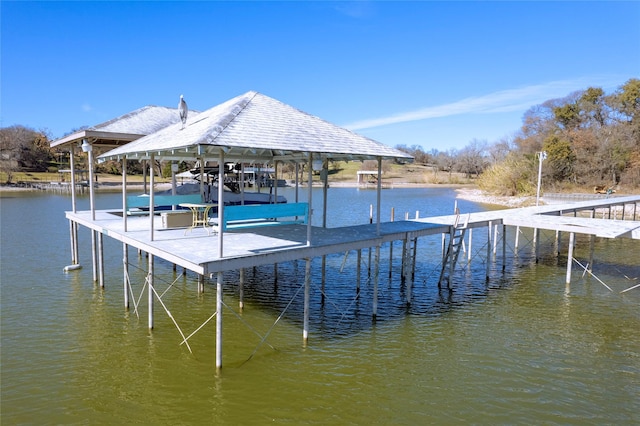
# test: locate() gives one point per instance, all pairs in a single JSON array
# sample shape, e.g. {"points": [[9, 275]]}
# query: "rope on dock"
{"points": [[591, 273], [137, 303], [170, 316], [274, 324], [198, 329], [344, 314], [630, 288], [242, 320], [171, 285]]}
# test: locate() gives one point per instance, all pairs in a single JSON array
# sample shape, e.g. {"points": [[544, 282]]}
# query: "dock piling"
{"points": [[150, 291], [219, 294], [100, 260], [570, 258], [125, 269], [488, 249], [307, 288], [376, 276], [504, 247]]}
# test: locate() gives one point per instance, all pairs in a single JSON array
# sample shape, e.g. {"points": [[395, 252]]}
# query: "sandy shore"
{"points": [[479, 196]]}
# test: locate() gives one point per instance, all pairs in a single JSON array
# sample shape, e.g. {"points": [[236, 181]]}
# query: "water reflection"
{"points": [[514, 349]]}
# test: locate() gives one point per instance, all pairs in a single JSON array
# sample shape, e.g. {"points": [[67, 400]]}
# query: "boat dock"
{"points": [[198, 251], [253, 129]]}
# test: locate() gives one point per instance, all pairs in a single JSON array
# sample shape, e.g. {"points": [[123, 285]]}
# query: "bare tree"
{"points": [[499, 150], [472, 157], [23, 148], [447, 161]]}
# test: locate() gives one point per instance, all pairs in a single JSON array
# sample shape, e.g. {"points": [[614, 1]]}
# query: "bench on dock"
{"points": [[265, 215], [135, 202]]}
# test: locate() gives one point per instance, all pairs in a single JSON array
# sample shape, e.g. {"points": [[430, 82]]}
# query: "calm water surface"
{"points": [[515, 350]]}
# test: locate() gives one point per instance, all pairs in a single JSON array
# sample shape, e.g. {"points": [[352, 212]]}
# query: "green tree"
{"points": [[514, 175], [593, 107], [627, 100], [560, 158]]}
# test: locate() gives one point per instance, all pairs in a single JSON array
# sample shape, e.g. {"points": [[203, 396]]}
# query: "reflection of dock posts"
{"points": [[515, 247], [323, 271], [100, 260], [406, 255], [219, 321], [94, 256], [275, 278], [408, 280], [200, 283], [358, 271], [403, 260], [415, 254], [150, 289], [452, 263], [536, 242], [370, 222], [504, 247], [489, 228], [376, 276], [241, 290], [469, 246], [125, 267], [391, 245], [495, 240], [409, 262], [324, 175], [307, 287], [592, 239]]}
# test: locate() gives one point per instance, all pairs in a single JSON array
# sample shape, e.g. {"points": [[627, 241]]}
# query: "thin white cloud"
{"points": [[355, 9], [509, 100], [87, 108]]}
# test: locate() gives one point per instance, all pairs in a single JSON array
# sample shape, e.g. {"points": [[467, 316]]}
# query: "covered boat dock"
{"points": [[255, 128]]}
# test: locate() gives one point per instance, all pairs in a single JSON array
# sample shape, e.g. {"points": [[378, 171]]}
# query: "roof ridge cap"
{"points": [[228, 118]]}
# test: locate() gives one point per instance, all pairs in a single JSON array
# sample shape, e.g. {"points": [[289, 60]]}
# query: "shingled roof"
{"points": [[126, 128], [254, 127]]}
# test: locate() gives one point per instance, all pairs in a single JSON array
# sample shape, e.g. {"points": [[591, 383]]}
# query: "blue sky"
{"points": [[434, 74]]}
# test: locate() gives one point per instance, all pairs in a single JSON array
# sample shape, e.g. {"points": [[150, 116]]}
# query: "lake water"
{"points": [[514, 350]]}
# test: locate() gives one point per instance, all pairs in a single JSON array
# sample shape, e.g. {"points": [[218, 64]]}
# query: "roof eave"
{"points": [[95, 136]]}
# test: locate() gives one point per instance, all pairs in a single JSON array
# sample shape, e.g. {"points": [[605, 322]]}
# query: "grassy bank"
{"points": [[339, 172]]}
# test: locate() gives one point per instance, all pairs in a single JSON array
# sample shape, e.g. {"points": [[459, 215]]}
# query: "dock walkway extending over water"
{"points": [[248, 247]]}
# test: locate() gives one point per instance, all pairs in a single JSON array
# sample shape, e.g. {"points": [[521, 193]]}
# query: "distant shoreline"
{"points": [[467, 192], [464, 191]]}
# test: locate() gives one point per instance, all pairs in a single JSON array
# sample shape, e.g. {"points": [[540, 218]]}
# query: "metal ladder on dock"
{"points": [[450, 257]]}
